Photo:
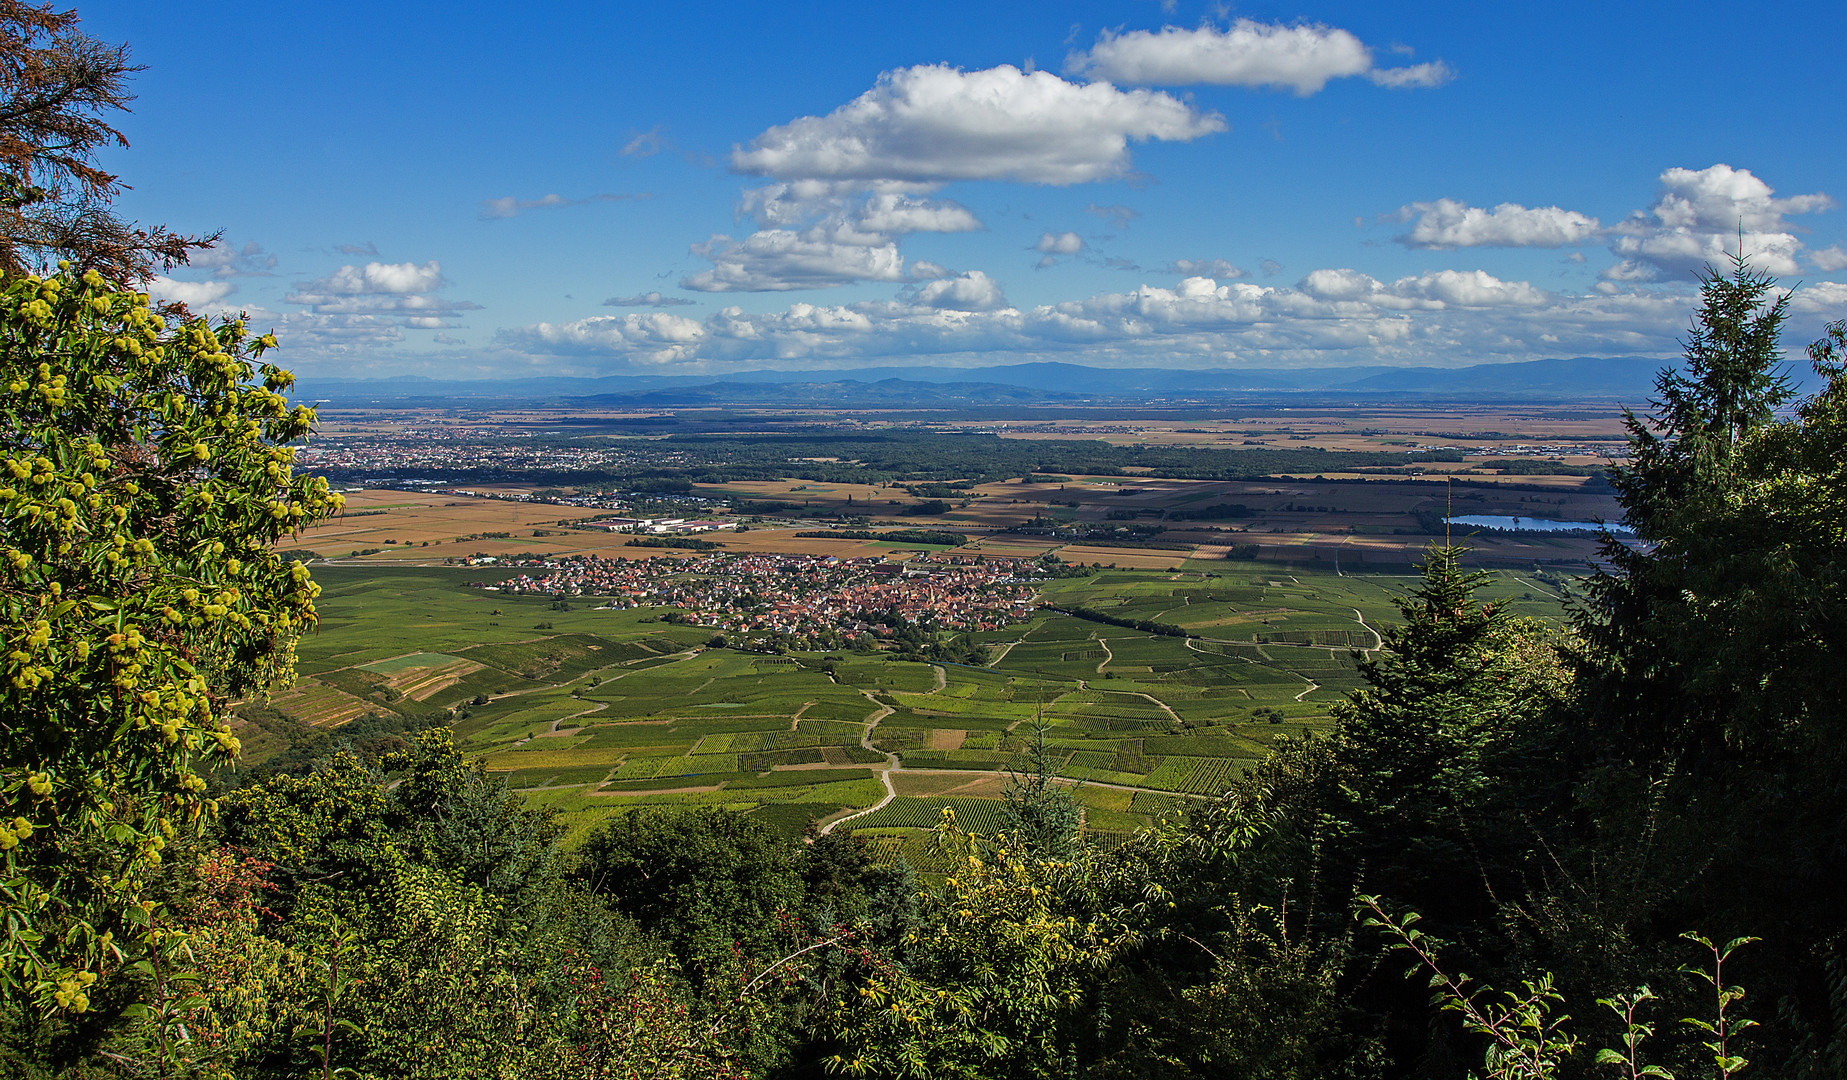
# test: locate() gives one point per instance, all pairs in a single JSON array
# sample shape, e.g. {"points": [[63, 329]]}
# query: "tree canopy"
{"points": [[147, 474]]}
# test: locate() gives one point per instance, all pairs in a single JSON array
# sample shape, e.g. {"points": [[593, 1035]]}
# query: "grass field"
{"points": [[594, 712]]}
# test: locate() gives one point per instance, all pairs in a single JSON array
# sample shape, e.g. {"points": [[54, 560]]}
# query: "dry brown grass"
{"points": [[411, 520], [1023, 547], [1136, 558]]}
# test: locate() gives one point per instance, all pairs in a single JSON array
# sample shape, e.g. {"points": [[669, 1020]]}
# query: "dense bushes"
{"points": [[891, 536], [1146, 626]]}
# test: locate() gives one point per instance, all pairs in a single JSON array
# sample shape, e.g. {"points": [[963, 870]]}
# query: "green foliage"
{"points": [[1266, 1003], [688, 542], [1694, 631], [437, 991], [1718, 1035], [1454, 682], [707, 880], [213, 988], [757, 918], [1525, 1034], [1135, 960], [1041, 817], [147, 473], [1527, 1037], [634, 1027], [891, 536], [418, 929], [997, 979], [1145, 625], [333, 824], [1716, 678]]}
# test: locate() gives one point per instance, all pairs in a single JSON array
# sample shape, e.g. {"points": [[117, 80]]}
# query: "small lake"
{"points": [[1527, 524]]}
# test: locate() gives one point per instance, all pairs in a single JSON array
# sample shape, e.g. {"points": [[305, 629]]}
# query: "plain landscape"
{"points": [[1269, 589]]}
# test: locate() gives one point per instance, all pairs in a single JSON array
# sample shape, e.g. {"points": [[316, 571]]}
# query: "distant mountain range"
{"points": [[1626, 379]]}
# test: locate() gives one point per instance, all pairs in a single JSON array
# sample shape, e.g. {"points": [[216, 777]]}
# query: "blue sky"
{"points": [[466, 190]]}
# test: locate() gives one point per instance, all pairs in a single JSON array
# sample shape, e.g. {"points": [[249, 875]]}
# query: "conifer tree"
{"points": [[1424, 698], [1665, 616], [58, 87], [1432, 747], [1040, 815]]}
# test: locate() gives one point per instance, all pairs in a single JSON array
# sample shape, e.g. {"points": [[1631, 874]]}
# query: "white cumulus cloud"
{"points": [[798, 202], [1697, 218], [1468, 289], [655, 337], [1053, 245], [1341, 284], [1435, 291], [822, 233], [884, 206], [1447, 223], [935, 123], [1413, 77], [396, 279], [1332, 316], [1825, 299], [891, 212], [1828, 259], [969, 291], [780, 260], [200, 296], [404, 290], [1303, 58]]}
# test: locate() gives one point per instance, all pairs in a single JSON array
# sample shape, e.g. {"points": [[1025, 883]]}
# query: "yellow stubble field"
{"points": [[404, 521], [415, 527]]}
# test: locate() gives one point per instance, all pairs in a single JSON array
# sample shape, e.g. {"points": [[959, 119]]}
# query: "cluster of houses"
{"points": [[813, 599], [438, 451]]}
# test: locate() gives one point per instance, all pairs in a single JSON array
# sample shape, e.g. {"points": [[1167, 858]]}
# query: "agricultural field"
{"points": [[594, 712], [1165, 490]]}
